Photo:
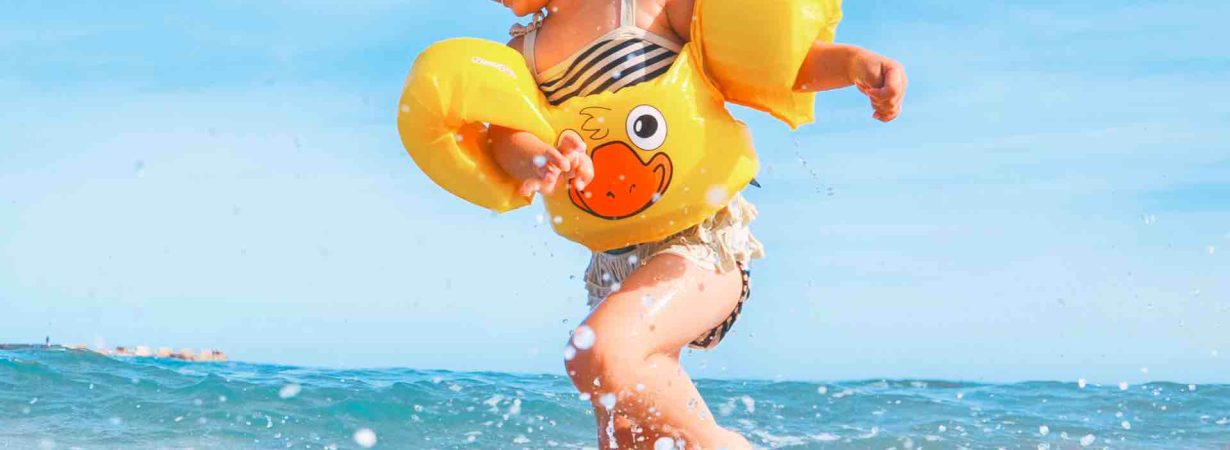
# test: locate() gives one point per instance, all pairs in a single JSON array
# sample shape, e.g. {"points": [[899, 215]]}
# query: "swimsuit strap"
{"points": [[530, 32], [531, 38], [627, 13]]}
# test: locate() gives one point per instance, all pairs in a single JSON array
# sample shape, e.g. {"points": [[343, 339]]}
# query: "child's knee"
{"points": [[606, 360]]}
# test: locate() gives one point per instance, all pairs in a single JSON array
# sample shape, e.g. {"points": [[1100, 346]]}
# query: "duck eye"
{"points": [[646, 127]]}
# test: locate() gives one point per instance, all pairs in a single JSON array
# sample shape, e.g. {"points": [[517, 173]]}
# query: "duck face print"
{"points": [[630, 174]]}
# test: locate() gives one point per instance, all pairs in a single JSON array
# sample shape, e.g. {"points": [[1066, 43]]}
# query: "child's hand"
{"points": [[882, 80], [581, 172], [538, 165], [568, 160]]}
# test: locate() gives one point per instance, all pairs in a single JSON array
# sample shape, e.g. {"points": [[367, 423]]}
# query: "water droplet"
{"points": [[365, 437], [607, 401], [822, 390], [716, 195], [1087, 440], [1081, 383], [494, 400], [1126, 425], [289, 391], [540, 160], [664, 443], [584, 338], [1044, 430], [1123, 385]]}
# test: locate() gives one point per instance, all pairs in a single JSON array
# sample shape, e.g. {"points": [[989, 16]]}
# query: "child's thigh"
{"points": [[665, 304]]}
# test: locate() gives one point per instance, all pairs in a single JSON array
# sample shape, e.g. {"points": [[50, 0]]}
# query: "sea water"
{"points": [[64, 399]]}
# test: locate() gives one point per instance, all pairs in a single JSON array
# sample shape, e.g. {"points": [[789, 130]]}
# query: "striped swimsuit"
{"points": [[620, 58]]}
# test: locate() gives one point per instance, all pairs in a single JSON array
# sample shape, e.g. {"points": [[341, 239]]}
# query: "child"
{"points": [[652, 299]]}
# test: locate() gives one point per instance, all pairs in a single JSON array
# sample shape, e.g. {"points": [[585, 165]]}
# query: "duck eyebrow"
{"points": [[592, 124]]}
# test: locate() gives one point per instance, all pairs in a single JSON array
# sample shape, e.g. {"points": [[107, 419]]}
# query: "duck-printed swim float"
{"points": [[667, 153]]}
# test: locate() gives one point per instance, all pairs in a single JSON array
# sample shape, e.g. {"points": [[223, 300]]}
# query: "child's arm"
{"points": [[828, 66], [536, 164], [833, 66]]}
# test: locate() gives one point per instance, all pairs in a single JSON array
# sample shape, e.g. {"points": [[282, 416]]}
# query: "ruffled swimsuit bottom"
{"points": [[721, 243]]}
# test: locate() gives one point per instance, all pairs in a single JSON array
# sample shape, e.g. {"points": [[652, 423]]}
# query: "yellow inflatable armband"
{"points": [[667, 154], [454, 90], [753, 51]]}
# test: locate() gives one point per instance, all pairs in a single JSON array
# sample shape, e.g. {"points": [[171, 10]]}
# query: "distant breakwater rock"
{"points": [[183, 354]]}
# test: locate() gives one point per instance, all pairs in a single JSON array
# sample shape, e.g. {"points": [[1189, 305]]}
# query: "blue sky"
{"points": [[1054, 202]]}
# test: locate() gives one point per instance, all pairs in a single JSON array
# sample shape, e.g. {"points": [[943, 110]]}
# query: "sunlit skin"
{"points": [[636, 353]]}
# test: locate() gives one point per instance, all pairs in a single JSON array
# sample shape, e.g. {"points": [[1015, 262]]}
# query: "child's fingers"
{"points": [[528, 187], [882, 103], [580, 167], [544, 183], [547, 185], [866, 90], [570, 141], [887, 115], [582, 170], [553, 160], [894, 83]]}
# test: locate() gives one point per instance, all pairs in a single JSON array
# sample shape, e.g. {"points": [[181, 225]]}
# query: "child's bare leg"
{"points": [[639, 331]]}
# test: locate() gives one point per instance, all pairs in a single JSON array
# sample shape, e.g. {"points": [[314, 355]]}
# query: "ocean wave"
{"points": [[53, 397]]}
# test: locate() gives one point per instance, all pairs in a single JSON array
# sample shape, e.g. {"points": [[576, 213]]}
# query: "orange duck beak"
{"points": [[623, 185]]}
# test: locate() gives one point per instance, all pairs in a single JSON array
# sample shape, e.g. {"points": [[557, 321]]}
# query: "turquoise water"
{"points": [[56, 398]]}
